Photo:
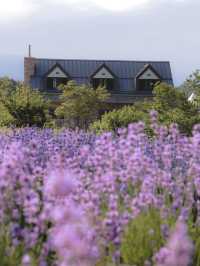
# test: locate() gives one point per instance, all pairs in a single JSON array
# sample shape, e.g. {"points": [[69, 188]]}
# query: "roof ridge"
{"points": [[105, 60]]}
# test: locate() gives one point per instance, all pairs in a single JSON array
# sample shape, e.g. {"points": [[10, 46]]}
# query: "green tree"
{"points": [[81, 104], [22, 105], [122, 117], [192, 83], [171, 104], [168, 97]]}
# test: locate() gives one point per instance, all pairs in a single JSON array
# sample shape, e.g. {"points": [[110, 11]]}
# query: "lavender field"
{"points": [[71, 198]]}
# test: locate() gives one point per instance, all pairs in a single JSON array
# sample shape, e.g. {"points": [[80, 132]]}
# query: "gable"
{"points": [[103, 73], [149, 74], [57, 72], [87, 69]]}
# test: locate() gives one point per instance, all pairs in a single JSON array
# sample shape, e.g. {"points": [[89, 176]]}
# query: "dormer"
{"points": [[104, 77], [147, 78], [56, 76]]}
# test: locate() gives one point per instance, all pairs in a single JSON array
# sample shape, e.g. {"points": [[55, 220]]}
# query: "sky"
{"points": [[101, 29]]}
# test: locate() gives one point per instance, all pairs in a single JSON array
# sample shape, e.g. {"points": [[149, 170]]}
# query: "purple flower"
{"points": [[26, 260], [179, 248], [60, 183]]}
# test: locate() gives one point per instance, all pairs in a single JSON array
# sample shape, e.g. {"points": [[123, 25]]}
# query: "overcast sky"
{"points": [[101, 29]]}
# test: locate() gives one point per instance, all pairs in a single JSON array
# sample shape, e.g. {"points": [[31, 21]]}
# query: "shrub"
{"points": [[120, 118], [172, 107], [21, 105], [81, 104]]}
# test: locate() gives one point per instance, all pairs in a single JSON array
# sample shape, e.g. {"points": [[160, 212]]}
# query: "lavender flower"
{"points": [[59, 190], [179, 248]]}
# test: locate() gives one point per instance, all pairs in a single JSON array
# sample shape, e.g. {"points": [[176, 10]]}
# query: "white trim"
{"points": [[54, 83], [149, 74], [103, 73], [57, 72]]}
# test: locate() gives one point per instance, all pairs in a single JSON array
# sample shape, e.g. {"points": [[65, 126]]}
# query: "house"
{"points": [[192, 97], [125, 80]]}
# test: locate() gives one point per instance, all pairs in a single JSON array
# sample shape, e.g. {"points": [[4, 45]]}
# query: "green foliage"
{"points": [[171, 104], [195, 236], [5, 117], [142, 238], [80, 103], [115, 119], [192, 84], [168, 97], [10, 256], [20, 105]]}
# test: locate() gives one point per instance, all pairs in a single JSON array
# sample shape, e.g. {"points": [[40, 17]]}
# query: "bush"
{"points": [[21, 106], [120, 118], [172, 107], [6, 119], [80, 104]]}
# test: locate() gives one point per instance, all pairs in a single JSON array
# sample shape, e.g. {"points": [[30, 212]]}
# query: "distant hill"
{"points": [[12, 66]]}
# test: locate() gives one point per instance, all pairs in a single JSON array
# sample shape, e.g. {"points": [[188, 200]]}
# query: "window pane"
{"points": [[49, 83], [53, 83], [146, 85], [107, 83]]}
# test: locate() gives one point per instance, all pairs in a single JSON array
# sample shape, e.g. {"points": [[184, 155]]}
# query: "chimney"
{"points": [[29, 66], [29, 50]]}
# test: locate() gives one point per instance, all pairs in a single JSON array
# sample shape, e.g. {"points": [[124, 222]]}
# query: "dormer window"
{"points": [[147, 78], [103, 77], [55, 77], [54, 83]]}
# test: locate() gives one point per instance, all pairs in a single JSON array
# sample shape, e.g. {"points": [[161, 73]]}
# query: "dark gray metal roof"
{"points": [[82, 70], [85, 68]]}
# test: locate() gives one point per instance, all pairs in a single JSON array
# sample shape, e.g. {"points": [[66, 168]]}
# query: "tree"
{"points": [[171, 104], [122, 117], [173, 107], [192, 83], [24, 106], [167, 97], [81, 104]]}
